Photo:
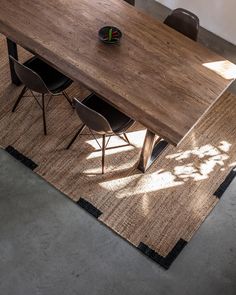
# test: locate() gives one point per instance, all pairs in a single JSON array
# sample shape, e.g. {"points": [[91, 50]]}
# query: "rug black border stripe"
{"points": [[89, 208], [225, 184], [163, 261], [21, 158]]}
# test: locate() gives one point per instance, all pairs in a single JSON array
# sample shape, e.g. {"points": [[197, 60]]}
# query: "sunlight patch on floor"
{"points": [[233, 165], [141, 184], [135, 137], [201, 152], [114, 150], [109, 168], [206, 159]]}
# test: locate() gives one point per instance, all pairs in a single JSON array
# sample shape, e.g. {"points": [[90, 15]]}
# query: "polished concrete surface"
{"points": [[50, 246]]}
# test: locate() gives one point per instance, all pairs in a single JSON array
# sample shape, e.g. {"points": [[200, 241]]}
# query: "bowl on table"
{"points": [[110, 35]]}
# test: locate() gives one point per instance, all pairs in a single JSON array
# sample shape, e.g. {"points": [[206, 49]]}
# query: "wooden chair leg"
{"points": [[19, 99], [76, 135], [44, 115], [103, 152]]}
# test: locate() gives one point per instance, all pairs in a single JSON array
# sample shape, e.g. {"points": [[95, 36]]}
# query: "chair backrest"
{"points": [[29, 78], [92, 119], [184, 22]]}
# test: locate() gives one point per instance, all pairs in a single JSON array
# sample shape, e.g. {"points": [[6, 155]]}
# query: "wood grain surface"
{"points": [[157, 76]]}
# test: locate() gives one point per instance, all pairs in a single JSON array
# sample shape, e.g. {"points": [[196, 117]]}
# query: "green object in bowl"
{"points": [[110, 35]]}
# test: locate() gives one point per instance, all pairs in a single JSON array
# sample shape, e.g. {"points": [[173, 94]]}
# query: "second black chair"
{"points": [[38, 76], [184, 22], [101, 118]]}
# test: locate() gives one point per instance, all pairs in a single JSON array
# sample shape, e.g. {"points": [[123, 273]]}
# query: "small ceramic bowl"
{"points": [[110, 35]]}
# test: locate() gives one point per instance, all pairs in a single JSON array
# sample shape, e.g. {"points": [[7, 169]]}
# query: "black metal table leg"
{"points": [[151, 150], [12, 50]]}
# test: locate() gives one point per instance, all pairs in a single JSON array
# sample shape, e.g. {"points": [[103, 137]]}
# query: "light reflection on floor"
{"points": [[196, 165], [181, 167], [117, 149]]}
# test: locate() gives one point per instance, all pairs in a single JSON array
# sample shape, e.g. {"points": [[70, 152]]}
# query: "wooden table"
{"points": [[156, 76]]}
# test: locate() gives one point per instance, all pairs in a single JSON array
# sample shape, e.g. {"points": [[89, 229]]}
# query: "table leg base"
{"points": [[151, 151], [12, 50]]}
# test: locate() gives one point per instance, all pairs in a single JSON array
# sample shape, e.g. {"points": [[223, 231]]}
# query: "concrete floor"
{"points": [[50, 246]]}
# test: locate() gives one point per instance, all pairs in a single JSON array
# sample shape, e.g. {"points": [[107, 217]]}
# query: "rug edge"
{"points": [[21, 157], [164, 261], [225, 184]]}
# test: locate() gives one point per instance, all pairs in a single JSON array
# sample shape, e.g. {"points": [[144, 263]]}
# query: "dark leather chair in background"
{"points": [[101, 118], [38, 76], [184, 22]]}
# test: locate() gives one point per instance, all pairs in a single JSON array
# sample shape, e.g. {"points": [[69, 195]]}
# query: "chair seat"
{"points": [[118, 121], [54, 80]]}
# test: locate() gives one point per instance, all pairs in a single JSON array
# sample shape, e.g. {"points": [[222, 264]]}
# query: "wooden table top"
{"points": [[156, 75]]}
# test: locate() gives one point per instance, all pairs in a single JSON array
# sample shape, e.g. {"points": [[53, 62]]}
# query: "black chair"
{"points": [[100, 117], [184, 22], [38, 76]]}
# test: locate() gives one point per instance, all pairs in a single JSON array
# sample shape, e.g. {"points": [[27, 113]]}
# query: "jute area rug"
{"points": [[159, 211]]}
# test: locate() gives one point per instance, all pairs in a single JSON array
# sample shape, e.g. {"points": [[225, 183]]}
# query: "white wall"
{"points": [[217, 16]]}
